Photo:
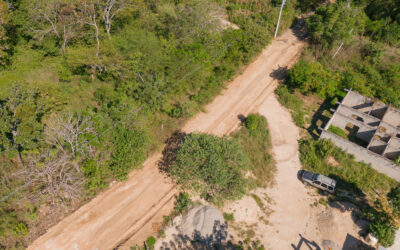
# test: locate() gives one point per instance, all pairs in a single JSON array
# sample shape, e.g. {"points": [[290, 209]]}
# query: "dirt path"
{"points": [[294, 220], [130, 211]]}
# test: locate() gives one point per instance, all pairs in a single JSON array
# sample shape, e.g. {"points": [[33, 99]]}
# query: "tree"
{"points": [[54, 18], [69, 132], [21, 112], [55, 175], [4, 39], [211, 166], [332, 24], [112, 8]]}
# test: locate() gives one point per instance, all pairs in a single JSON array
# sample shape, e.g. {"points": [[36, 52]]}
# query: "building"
{"points": [[374, 132]]}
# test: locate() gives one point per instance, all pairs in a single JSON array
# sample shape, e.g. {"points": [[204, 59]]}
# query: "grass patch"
{"points": [[258, 200], [255, 139], [293, 103], [337, 131], [229, 217], [351, 175]]}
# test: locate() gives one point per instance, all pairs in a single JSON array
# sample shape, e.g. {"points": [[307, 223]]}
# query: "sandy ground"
{"points": [[291, 219], [130, 211]]}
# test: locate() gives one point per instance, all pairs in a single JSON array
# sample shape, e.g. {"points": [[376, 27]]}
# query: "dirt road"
{"points": [[295, 219], [128, 212]]}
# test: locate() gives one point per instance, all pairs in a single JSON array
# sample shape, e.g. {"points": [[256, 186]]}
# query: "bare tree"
{"points": [[54, 175], [88, 12], [111, 9], [68, 131], [54, 17]]}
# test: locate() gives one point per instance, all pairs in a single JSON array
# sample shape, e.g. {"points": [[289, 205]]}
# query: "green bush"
{"points": [[313, 77], [130, 148], [384, 232], [183, 202], [228, 217], [211, 166], [331, 24], [150, 242]]}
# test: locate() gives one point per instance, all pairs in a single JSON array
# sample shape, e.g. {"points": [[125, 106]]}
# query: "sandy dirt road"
{"points": [[294, 220], [128, 212]]}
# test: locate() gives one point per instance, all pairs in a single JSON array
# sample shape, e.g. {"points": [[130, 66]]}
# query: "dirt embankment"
{"points": [[130, 211]]}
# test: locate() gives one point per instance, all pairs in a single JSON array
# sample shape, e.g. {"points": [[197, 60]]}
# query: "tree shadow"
{"points": [[280, 73], [170, 150], [299, 29], [217, 240]]}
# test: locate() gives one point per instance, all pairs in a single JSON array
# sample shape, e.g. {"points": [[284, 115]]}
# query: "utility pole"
{"points": [[279, 18], [341, 45]]}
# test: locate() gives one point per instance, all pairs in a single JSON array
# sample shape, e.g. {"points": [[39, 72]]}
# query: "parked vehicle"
{"points": [[318, 180]]}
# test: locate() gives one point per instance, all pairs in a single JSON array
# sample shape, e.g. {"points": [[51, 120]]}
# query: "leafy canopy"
{"points": [[211, 166]]}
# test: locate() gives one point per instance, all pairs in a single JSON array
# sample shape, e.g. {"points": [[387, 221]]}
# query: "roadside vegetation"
{"points": [[90, 88], [368, 62], [220, 169]]}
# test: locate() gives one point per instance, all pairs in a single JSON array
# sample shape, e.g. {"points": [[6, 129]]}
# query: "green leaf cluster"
{"points": [[211, 166]]}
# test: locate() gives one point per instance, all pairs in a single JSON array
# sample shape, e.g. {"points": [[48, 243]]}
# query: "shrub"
{"points": [[313, 77], [183, 202], [130, 147], [384, 232], [211, 166], [151, 241], [228, 217]]}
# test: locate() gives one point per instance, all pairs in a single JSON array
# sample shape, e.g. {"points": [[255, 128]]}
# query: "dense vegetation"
{"points": [[354, 176], [353, 44], [211, 166], [89, 88], [366, 63], [216, 168]]}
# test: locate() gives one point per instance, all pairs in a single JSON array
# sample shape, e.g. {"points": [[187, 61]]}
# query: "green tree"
{"points": [[21, 111], [130, 148], [313, 77], [211, 166], [332, 24]]}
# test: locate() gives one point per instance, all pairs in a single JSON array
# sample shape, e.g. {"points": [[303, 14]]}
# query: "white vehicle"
{"points": [[318, 180]]}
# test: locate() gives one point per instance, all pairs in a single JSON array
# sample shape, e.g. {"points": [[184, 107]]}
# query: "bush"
{"points": [[183, 202], [292, 102], [151, 241], [331, 24], [228, 217], [130, 148], [384, 232], [211, 166], [313, 77]]}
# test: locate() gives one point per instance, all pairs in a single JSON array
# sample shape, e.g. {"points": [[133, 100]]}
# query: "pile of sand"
{"points": [[204, 223]]}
